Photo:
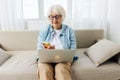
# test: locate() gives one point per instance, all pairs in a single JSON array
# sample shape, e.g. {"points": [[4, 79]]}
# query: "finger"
{"points": [[44, 47]]}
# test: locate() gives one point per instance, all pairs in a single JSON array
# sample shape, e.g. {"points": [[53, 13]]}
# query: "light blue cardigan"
{"points": [[67, 37]]}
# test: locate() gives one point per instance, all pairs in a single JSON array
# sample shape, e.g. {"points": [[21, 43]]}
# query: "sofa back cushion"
{"points": [[27, 39], [18, 40], [87, 37]]}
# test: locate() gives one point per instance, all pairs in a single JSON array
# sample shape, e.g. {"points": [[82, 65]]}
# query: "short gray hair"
{"points": [[57, 9]]}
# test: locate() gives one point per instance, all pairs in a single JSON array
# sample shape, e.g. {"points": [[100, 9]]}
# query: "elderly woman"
{"points": [[60, 36]]}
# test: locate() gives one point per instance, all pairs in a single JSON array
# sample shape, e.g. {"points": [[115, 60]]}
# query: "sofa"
{"points": [[22, 45]]}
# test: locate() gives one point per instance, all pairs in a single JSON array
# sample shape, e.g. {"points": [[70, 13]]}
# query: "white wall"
{"points": [[114, 29]]}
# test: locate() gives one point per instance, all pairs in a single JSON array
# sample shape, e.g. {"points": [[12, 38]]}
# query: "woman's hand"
{"points": [[51, 47], [47, 45]]}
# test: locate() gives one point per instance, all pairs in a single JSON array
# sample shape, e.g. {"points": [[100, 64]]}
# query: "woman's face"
{"points": [[55, 20]]}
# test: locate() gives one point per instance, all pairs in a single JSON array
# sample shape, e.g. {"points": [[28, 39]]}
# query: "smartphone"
{"points": [[45, 44]]}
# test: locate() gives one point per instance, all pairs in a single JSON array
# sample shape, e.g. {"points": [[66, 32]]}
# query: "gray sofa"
{"points": [[22, 46]]}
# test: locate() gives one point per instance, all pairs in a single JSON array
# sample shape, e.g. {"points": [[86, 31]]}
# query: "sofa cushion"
{"points": [[20, 66], [102, 51], [2, 47], [29, 38], [19, 40], [81, 50], [84, 69], [3, 56], [84, 38]]}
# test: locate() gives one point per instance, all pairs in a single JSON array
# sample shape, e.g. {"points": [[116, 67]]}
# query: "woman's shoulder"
{"points": [[67, 27], [45, 28]]}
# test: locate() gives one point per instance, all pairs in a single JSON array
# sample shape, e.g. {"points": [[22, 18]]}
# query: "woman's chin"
{"points": [[55, 25]]}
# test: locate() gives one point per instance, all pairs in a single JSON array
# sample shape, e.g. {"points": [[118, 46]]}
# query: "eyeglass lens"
{"points": [[56, 17]]}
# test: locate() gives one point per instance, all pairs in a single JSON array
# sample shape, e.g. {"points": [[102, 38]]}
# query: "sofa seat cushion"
{"points": [[21, 66], [81, 50], [84, 69]]}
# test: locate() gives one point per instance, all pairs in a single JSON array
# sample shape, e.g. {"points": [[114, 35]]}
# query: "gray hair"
{"points": [[57, 9]]}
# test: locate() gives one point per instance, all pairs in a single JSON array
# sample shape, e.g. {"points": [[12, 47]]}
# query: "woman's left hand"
{"points": [[51, 47]]}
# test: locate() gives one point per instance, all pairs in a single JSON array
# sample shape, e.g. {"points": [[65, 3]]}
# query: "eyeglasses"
{"points": [[56, 17]]}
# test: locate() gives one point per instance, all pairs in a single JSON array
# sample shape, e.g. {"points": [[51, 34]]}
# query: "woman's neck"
{"points": [[57, 28]]}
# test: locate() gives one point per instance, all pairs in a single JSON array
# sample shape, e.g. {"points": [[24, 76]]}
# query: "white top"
{"points": [[56, 41]]}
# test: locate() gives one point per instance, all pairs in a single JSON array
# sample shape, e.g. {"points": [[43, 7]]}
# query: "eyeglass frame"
{"points": [[56, 17]]}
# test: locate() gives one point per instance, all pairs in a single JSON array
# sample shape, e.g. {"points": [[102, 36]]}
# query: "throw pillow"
{"points": [[3, 56], [102, 51], [1, 47]]}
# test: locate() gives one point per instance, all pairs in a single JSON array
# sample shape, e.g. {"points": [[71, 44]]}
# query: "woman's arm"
{"points": [[40, 40], [72, 40]]}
